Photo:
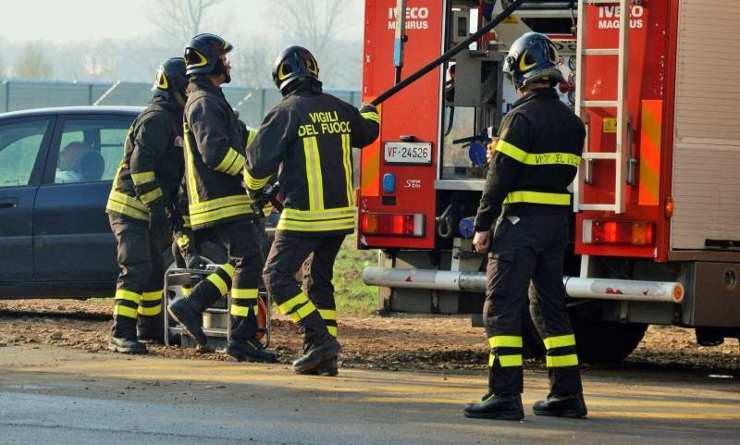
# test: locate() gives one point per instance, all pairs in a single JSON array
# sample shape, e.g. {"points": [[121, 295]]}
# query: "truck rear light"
{"points": [[392, 224], [635, 233]]}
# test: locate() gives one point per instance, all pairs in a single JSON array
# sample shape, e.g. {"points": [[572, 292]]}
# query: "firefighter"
{"points": [[535, 160], [219, 208], [144, 186], [311, 134]]}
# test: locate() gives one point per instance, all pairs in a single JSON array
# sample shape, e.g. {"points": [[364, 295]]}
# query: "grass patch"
{"points": [[352, 296]]}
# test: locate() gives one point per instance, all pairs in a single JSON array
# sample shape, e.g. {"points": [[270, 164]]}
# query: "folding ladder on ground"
{"points": [[620, 155]]}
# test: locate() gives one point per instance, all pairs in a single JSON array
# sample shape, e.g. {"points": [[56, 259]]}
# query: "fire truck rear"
{"points": [[656, 223]]}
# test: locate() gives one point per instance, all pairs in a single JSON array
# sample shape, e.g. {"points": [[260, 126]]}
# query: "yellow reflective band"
{"points": [[219, 283], [561, 361], [152, 296], [237, 167], [371, 116], [509, 361], [251, 134], [247, 294], [183, 241], [560, 199], [123, 294], [227, 161], [152, 196], [551, 158], [254, 183], [328, 314], [303, 311], [314, 180], [347, 162], [142, 178], [219, 208], [505, 341], [313, 216], [491, 358], [239, 311], [125, 311], [150, 311], [332, 330], [126, 210], [125, 199], [289, 305], [192, 187], [229, 269], [316, 226], [561, 341]]}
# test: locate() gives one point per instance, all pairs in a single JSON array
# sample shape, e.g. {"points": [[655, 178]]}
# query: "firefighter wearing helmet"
{"points": [[311, 135], [145, 185], [522, 223], [219, 208]]}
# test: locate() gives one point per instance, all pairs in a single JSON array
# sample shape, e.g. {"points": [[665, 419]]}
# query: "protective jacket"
{"points": [[152, 166], [311, 134], [536, 158], [215, 142]]}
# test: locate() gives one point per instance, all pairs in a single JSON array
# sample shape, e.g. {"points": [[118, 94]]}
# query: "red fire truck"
{"points": [[656, 225]]}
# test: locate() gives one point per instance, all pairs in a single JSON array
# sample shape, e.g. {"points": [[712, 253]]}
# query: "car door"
{"points": [[73, 240], [23, 143]]}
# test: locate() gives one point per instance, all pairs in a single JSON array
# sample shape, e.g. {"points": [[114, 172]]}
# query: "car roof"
{"points": [[90, 109]]}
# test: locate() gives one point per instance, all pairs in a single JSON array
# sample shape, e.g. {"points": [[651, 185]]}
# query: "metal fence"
{"points": [[252, 103]]}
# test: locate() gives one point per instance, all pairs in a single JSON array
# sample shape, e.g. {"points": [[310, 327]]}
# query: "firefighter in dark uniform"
{"points": [[311, 134], [536, 159], [215, 143], [144, 186]]}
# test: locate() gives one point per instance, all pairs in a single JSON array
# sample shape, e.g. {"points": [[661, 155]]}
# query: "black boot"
{"points": [[130, 345], [571, 405], [322, 349], [496, 407], [190, 317], [151, 329], [327, 368], [250, 351]]}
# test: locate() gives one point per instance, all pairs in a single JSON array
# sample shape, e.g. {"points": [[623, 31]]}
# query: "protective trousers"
{"points": [[239, 278], [140, 282], [314, 307], [522, 249]]}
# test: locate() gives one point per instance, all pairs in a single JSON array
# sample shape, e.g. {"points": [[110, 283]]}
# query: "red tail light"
{"points": [[635, 233], [392, 224]]}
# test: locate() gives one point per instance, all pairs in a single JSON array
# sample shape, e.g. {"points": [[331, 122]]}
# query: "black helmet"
{"points": [[203, 54], [293, 64], [532, 57], [171, 77]]}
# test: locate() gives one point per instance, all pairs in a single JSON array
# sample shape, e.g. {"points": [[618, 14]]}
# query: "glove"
{"points": [[157, 218], [368, 107]]}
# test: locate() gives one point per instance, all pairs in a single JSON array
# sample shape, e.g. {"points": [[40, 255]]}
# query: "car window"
{"points": [[90, 149], [20, 144]]}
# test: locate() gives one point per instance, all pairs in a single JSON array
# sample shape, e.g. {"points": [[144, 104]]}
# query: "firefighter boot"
{"points": [[327, 368], [496, 407], [571, 405], [250, 351], [188, 312], [322, 345], [151, 329], [123, 337]]}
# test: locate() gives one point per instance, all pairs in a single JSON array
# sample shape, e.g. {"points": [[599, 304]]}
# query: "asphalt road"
{"points": [[60, 396]]}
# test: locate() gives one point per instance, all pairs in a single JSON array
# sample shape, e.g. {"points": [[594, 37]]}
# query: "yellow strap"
{"points": [[314, 178], [130, 201], [509, 361], [317, 215], [237, 166], [219, 203], [371, 116], [239, 311], [151, 196], [219, 283], [255, 183], [126, 210], [560, 199], [125, 311], [228, 160], [550, 158], [328, 314], [560, 341], [561, 361], [303, 311], [150, 311], [332, 330], [316, 226], [289, 305], [123, 294], [143, 177], [505, 341], [243, 294], [155, 295], [229, 269]]}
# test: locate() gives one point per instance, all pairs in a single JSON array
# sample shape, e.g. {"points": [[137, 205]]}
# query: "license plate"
{"points": [[408, 152]]}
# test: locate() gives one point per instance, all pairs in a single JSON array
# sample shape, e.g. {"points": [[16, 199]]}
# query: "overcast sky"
{"points": [[64, 21]]}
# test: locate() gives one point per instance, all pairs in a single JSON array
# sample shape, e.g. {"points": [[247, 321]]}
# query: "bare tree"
{"points": [[311, 22], [179, 20], [32, 63]]}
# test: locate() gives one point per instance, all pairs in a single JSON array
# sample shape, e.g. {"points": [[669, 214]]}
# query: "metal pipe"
{"points": [[107, 93], [575, 287]]}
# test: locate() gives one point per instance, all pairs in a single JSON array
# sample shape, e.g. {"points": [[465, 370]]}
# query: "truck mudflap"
{"points": [[575, 287]]}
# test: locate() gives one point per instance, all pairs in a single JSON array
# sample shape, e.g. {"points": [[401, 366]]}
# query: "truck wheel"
{"points": [[605, 341]]}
